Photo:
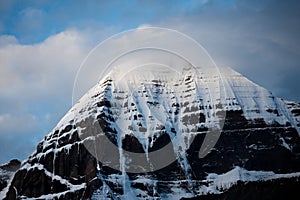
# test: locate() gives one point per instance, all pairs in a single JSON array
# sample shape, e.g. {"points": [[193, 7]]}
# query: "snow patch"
{"points": [[219, 183]]}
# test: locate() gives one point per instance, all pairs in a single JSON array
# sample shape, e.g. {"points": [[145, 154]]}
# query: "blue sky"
{"points": [[42, 44]]}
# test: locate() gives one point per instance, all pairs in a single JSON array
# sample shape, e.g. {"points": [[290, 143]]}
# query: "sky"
{"points": [[42, 44]]}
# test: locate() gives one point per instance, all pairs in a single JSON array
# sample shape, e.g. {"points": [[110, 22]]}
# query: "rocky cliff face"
{"points": [[6, 173], [258, 142]]}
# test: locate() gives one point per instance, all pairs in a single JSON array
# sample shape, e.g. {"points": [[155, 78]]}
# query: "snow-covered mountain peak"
{"points": [[226, 90], [144, 110]]}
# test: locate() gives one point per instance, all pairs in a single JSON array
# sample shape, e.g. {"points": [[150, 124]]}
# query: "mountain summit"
{"points": [[167, 135]]}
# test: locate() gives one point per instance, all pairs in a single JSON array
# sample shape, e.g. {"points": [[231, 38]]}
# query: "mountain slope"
{"points": [[6, 174], [144, 113]]}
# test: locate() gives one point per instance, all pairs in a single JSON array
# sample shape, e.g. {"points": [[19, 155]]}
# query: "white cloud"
{"points": [[129, 42], [36, 86], [40, 69], [7, 40], [12, 124], [36, 81]]}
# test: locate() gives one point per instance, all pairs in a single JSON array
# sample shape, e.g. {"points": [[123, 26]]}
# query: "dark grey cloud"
{"points": [[260, 39]]}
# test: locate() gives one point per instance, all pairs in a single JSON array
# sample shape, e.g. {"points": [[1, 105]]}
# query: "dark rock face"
{"points": [[12, 166], [252, 148], [7, 170], [262, 190], [3, 183], [75, 166]]}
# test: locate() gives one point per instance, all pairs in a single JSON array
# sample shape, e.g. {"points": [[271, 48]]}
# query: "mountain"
{"points": [[6, 173], [184, 135]]}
